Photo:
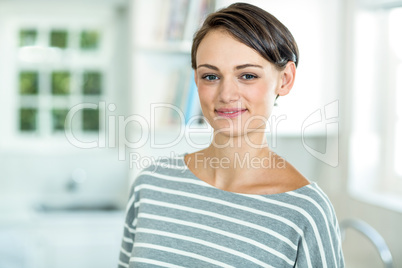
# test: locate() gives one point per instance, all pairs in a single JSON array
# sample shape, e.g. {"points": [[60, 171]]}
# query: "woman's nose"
{"points": [[228, 91]]}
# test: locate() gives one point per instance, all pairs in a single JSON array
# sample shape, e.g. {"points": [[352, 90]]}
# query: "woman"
{"points": [[235, 203]]}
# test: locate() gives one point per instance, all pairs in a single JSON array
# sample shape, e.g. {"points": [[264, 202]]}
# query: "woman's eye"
{"points": [[210, 77], [248, 76]]}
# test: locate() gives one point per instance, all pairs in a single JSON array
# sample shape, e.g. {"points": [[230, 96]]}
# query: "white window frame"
{"points": [[372, 174], [57, 15]]}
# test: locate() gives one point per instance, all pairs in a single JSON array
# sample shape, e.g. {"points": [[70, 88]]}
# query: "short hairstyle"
{"points": [[254, 27]]}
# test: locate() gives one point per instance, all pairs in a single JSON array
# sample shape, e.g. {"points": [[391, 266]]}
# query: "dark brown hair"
{"points": [[254, 27]]}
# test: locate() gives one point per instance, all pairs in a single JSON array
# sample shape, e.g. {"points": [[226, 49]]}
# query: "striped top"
{"points": [[174, 219]]}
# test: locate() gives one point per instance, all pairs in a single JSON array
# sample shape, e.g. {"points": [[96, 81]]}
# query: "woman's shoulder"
{"points": [[314, 204], [312, 193], [165, 165]]}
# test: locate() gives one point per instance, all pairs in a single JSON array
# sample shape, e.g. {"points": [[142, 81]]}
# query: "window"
{"points": [[50, 87], [55, 58], [376, 142], [395, 41]]}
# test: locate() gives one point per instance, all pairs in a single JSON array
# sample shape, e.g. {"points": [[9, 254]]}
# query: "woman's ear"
{"points": [[288, 76]]}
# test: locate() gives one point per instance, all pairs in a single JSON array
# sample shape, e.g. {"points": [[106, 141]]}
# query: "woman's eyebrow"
{"points": [[248, 65], [239, 67], [208, 66]]}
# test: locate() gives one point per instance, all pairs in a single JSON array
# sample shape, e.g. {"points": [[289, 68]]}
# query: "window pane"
{"points": [[89, 40], [28, 119], [28, 37], [58, 118], [28, 83], [58, 39], [398, 97], [92, 83], [398, 127], [395, 27], [90, 120], [398, 148], [60, 83]]}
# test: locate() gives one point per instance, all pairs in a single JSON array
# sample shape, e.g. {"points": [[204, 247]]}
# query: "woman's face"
{"points": [[237, 87]]}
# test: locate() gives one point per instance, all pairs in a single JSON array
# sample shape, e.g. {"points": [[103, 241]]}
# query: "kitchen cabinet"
{"points": [[64, 240]]}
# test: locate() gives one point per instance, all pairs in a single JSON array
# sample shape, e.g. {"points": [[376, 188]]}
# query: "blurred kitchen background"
{"points": [[77, 80]]}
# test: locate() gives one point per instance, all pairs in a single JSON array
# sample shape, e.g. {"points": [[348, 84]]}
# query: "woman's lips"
{"points": [[230, 113]]}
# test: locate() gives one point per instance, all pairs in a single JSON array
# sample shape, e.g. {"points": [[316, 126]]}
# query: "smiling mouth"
{"points": [[230, 113]]}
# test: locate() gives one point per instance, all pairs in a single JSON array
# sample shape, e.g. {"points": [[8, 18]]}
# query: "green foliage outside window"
{"points": [[28, 118], [58, 39], [28, 83], [92, 83], [59, 118], [90, 119], [89, 40], [60, 83], [28, 37]]}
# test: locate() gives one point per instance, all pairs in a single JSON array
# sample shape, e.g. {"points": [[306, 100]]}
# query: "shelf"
{"points": [[165, 47]]}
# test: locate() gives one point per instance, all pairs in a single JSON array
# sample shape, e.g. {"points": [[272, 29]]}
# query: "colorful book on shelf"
{"points": [[193, 107], [165, 115], [184, 98], [178, 99], [197, 12], [162, 20], [179, 19]]}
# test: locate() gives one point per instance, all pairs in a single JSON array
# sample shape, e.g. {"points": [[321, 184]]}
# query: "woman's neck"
{"points": [[228, 160], [231, 147]]}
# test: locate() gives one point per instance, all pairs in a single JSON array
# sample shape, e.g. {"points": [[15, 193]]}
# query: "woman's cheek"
{"points": [[205, 99], [205, 93]]}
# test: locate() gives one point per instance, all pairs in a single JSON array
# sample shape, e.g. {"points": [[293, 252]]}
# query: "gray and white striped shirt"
{"points": [[174, 219]]}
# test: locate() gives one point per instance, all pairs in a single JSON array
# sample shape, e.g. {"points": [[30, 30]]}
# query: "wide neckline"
{"points": [[237, 193]]}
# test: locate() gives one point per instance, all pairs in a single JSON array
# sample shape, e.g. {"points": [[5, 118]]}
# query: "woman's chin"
{"points": [[235, 133], [228, 133]]}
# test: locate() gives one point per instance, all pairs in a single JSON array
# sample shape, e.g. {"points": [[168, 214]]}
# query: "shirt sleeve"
{"points": [[129, 231], [321, 244]]}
